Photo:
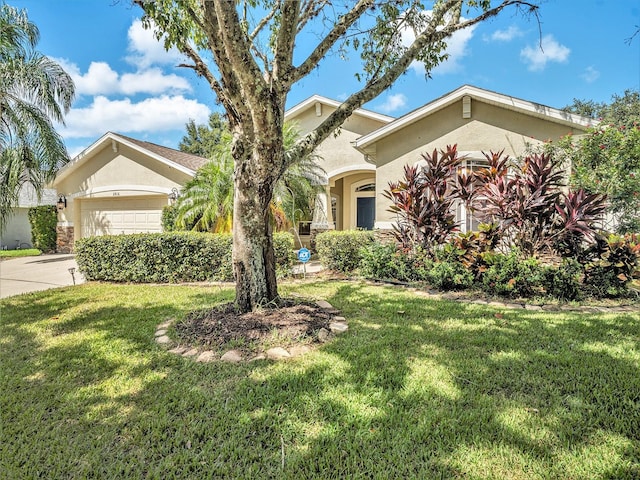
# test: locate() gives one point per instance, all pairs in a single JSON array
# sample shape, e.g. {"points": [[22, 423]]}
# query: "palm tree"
{"points": [[206, 203], [35, 92]]}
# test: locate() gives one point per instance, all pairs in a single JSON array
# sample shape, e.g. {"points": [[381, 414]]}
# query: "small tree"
{"points": [[532, 211], [607, 161], [43, 220], [206, 203], [424, 200]]}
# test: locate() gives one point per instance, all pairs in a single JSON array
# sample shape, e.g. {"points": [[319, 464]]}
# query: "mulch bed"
{"points": [[293, 321]]}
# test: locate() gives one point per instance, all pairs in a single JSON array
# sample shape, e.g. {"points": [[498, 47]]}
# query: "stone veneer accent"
{"points": [[64, 239]]}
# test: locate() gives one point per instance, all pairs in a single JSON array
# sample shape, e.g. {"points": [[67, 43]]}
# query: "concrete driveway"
{"points": [[30, 274]]}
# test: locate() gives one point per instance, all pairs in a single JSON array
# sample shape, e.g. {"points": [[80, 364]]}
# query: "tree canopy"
{"points": [[257, 56], [34, 92], [607, 159], [623, 110], [202, 140]]}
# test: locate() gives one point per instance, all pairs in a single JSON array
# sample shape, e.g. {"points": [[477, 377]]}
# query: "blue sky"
{"points": [[127, 83]]}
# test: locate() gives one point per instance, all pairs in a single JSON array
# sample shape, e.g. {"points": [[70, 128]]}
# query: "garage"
{"points": [[115, 216]]}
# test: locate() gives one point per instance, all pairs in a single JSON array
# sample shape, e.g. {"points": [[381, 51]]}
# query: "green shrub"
{"points": [[340, 250], [168, 220], [617, 265], [563, 282], [283, 246], [387, 261], [384, 261], [43, 220], [450, 275], [166, 257], [512, 276]]}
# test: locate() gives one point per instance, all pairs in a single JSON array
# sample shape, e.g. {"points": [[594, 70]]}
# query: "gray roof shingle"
{"points": [[193, 162]]}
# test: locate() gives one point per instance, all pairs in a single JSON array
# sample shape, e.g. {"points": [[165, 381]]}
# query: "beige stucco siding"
{"points": [[336, 152], [121, 174], [489, 128], [107, 169]]}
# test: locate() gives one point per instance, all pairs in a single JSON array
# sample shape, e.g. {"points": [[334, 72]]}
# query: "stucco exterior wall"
{"points": [[17, 230], [337, 152], [125, 173], [348, 207], [489, 128]]}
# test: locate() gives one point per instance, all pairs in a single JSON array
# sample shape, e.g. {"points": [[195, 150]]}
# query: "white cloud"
{"points": [[152, 81], [506, 35], [393, 103], [101, 79], [457, 49], [590, 74], [145, 50], [150, 115], [549, 51]]}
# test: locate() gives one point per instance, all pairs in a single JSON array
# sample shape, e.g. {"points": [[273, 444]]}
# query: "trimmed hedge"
{"points": [[340, 250], [43, 220], [167, 257]]}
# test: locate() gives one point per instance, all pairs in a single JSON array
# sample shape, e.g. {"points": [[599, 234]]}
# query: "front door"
{"points": [[366, 212]]}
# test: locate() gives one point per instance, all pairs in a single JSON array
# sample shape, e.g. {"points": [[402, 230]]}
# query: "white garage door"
{"points": [[115, 216]]}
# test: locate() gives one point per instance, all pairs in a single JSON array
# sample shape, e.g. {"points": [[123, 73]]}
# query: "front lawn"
{"points": [[26, 252], [417, 388]]}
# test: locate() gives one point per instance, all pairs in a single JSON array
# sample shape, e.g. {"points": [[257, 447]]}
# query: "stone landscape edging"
{"points": [[337, 326]]}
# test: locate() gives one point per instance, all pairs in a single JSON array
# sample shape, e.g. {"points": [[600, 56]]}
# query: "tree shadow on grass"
{"points": [[415, 389], [470, 389]]}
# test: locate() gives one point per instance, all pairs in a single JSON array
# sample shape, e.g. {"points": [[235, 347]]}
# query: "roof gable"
{"points": [[312, 100], [493, 98], [184, 162]]}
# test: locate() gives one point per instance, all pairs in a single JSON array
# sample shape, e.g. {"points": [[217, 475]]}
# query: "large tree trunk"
{"points": [[253, 254]]}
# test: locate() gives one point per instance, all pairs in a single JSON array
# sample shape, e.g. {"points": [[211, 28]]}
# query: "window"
{"points": [[467, 220], [369, 187]]}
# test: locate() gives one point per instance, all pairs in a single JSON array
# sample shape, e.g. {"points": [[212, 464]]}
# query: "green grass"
{"points": [[26, 252], [442, 390]]}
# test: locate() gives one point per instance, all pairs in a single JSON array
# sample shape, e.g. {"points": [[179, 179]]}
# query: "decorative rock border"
{"points": [[462, 298], [337, 326]]}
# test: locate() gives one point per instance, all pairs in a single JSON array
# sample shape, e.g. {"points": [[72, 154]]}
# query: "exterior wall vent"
{"points": [[466, 106]]}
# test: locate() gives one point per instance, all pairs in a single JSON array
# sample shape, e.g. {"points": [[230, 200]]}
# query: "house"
{"points": [[119, 184], [17, 232]]}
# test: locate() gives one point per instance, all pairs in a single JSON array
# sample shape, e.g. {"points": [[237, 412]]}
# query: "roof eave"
{"points": [[313, 99], [504, 101], [100, 143]]}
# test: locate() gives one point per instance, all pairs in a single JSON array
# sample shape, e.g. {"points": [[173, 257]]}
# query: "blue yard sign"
{"points": [[304, 255]]}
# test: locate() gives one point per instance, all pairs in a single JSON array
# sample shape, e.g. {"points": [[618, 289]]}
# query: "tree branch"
{"points": [[341, 26], [376, 86], [263, 23], [232, 50], [310, 11], [285, 41]]}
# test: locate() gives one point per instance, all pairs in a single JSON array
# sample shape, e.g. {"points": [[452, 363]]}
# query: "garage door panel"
{"points": [[118, 216]]}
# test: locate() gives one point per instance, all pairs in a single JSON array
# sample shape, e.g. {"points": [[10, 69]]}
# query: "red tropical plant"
{"points": [[578, 213], [424, 200]]}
